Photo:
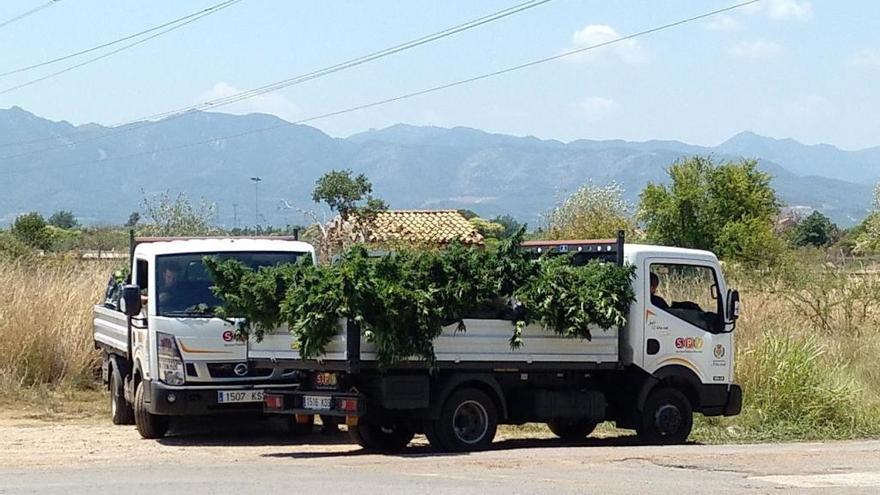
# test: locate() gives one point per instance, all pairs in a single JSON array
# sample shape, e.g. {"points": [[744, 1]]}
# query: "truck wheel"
{"points": [[572, 429], [121, 412], [667, 417], [149, 426], [300, 429], [468, 421], [385, 438]]}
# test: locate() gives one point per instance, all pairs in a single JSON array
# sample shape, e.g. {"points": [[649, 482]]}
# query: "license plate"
{"points": [[317, 402], [236, 396]]}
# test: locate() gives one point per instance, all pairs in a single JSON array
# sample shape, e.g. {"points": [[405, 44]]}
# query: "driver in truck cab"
{"points": [[655, 299], [169, 280]]}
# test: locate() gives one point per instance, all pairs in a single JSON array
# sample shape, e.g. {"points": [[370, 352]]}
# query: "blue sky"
{"points": [[786, 68]]}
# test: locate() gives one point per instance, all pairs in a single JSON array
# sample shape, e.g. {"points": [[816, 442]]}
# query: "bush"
{"points": [[31, 229], [592, 212]]}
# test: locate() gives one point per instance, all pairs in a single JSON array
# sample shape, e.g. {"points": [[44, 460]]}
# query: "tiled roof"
{"points": [[424, 226]]}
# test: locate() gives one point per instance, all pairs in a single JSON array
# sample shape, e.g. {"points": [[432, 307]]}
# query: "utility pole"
{"points": [[256, 181], [235, 215]]}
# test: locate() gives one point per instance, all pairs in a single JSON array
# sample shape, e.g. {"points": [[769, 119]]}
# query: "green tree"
{"points": [[347, 194], [866, 236], [727, 208], [31, 229], [487, 228], [63, 219], [814, 230], [133, 219], [511, 226], [177, 216], [592, 212]]}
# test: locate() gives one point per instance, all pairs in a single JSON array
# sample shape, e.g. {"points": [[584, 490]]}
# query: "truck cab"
{"points": [[165, 352]]}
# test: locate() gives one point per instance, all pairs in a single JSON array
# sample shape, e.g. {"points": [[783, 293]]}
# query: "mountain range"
{"points": [[102, 173]]}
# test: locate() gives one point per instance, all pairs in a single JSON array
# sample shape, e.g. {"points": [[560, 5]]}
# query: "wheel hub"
{"points": [[668, 419], [470, 422]]}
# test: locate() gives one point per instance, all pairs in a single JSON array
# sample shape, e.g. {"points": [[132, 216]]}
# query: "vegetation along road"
{"points": [[227, 457]]}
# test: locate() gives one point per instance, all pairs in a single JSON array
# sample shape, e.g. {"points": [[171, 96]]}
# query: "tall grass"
{"points": [[46, 322]]}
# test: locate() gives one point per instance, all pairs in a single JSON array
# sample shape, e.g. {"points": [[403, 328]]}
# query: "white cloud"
{"points": [[627, 51], [790, 9], [597, 108], [802, 112], [271, 103], [722, 22], [757, 49], [866, 59], [782, 9]]}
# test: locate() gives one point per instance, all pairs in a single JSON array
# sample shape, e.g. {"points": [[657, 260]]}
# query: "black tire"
{"points": [[300, 429], [468, 422], [121, 412], [388, 437], [572, 429], [150, 426], [666, 419]]}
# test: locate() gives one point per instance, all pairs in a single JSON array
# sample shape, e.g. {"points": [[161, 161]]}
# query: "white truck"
{"points": [[164, 353], [674, 357]]}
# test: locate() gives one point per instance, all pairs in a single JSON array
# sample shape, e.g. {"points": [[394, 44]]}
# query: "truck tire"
{"points": [[121, 412], [468, 422], [667, 418], [572, 429], [150, 426], [384, 438], [300, 429]]}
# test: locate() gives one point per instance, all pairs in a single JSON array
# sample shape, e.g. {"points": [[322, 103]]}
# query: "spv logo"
{"points": [[689, 343]]}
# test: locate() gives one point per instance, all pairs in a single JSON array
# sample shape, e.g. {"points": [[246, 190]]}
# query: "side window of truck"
{"points": [[688, 292]]}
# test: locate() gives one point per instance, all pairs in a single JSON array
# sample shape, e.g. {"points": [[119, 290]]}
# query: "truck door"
{"points": [[684, 323], [139, 326]]}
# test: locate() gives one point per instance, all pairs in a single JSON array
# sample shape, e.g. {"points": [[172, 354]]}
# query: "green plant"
{"points": [[592, 212], [728, 208], [31, 229], [63, 219], [403, 300], [177, 216], [815, 230]]}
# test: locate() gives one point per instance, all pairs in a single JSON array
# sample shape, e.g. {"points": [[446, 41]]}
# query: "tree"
{"points": [[867, 234], [133, 219], [727, 208], [592, 212], [63, 219], [347, 194], [511, 226], [467, 214], [487, 228], [814, 230], [177, 216], [31, 229]]}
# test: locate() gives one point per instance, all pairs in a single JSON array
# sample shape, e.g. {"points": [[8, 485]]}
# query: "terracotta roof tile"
{"points": [[424, 226]]}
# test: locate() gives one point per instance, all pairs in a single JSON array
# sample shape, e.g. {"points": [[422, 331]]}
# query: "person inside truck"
{"points": [[170, 277], [655, 299]]}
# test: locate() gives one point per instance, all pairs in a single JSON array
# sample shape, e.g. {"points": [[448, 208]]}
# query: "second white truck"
{"points": [[164, 352]]}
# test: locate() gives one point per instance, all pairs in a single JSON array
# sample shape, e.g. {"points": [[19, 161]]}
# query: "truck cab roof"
{"points": [[220, 244], [636, 252]]}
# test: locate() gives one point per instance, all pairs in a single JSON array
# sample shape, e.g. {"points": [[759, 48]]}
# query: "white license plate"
{"points": [[317, 402], [235, 396]]}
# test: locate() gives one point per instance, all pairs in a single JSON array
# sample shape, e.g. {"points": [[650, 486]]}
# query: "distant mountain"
{"points": [[411, 167]]}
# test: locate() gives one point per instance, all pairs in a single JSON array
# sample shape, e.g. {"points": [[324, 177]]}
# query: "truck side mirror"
{"points": [[130, 302], [732, 305]]}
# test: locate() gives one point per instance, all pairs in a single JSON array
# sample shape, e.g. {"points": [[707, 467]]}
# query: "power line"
{"points": [[428, 90], [110, 43], [28, 13], [148, 121], [200, 15]]}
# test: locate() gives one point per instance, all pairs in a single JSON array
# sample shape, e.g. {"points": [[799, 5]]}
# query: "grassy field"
{"points": [[807, 347]]}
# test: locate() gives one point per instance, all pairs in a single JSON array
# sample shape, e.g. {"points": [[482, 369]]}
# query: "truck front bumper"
{"points": [[192, 400]]}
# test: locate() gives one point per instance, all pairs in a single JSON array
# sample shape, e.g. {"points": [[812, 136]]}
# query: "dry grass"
{"points": [[46, 323]]}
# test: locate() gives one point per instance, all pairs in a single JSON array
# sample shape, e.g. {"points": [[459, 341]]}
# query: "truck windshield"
{"points": [[183, 283]]}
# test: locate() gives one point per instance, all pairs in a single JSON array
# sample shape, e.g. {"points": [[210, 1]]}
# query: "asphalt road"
{"points": [[73, 459]]}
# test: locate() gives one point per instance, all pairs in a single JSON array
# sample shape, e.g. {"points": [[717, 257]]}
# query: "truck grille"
{"points": [[227, 370]]}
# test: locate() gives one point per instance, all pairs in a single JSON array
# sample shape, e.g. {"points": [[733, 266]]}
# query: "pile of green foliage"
{"points": [[401, 301]]}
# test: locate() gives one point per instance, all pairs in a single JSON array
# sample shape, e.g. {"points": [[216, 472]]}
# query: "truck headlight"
{"points": [[170, 362]]}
